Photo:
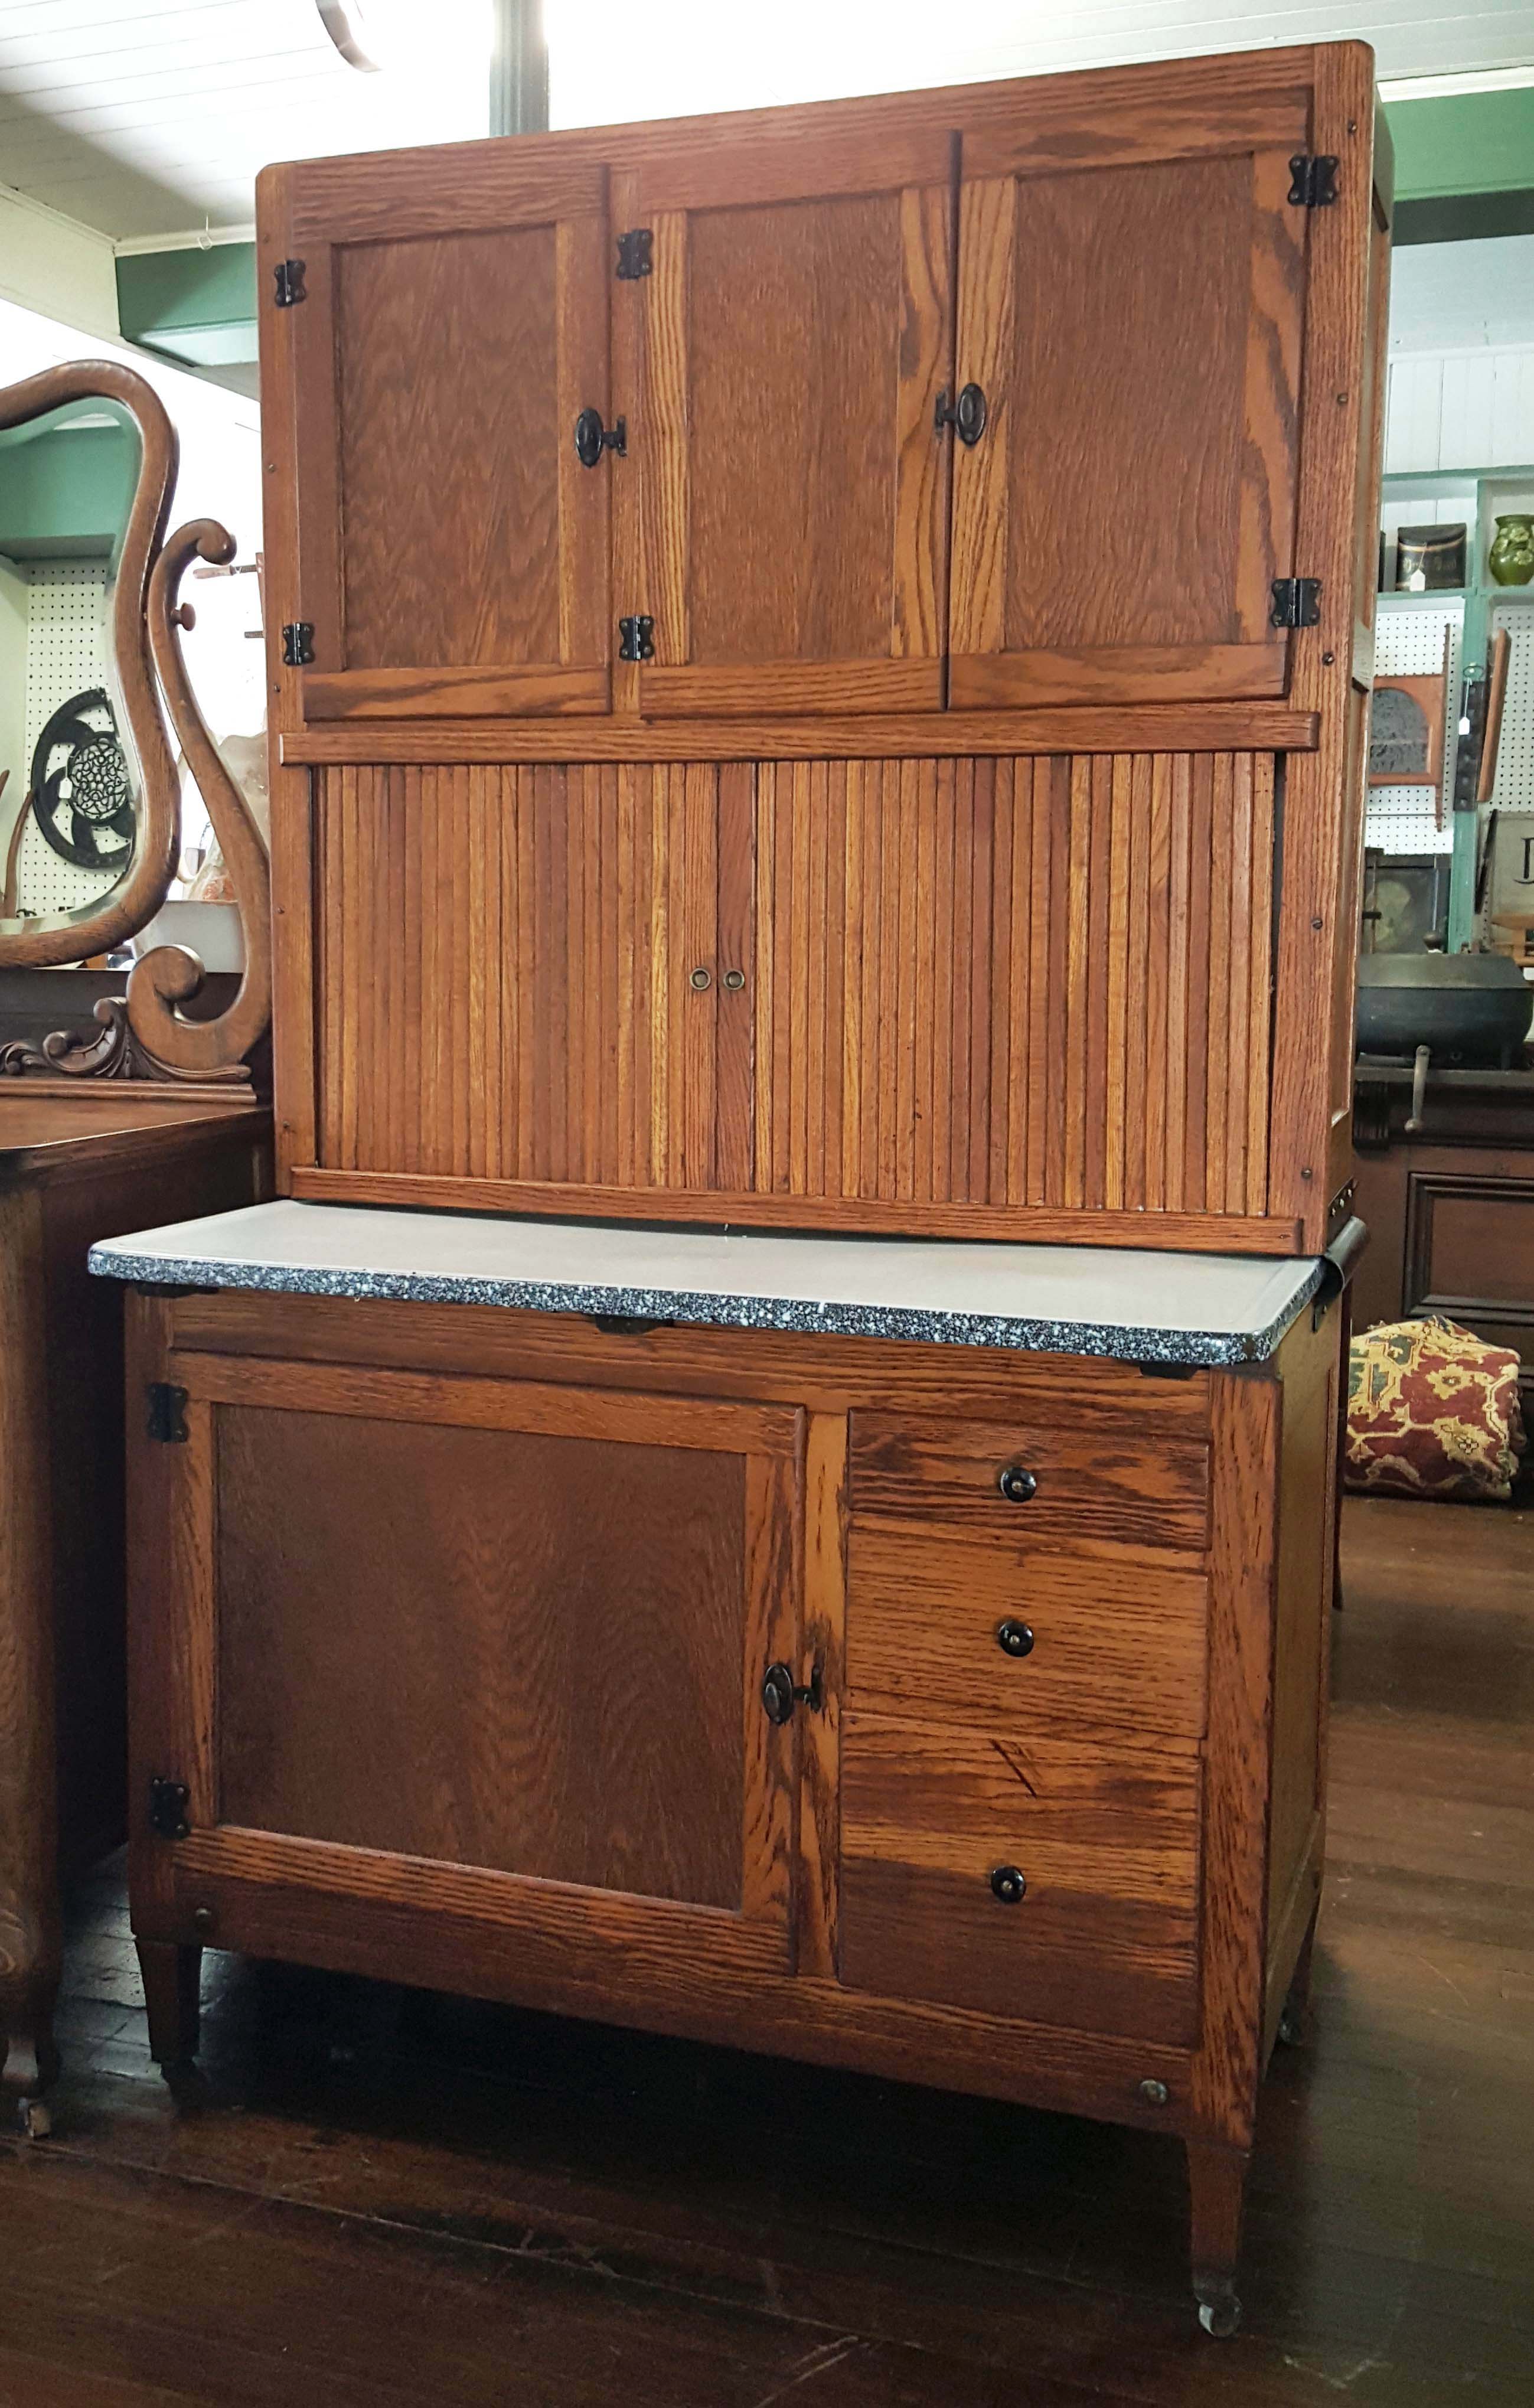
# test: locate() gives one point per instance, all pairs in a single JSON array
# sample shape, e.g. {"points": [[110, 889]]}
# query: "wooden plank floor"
{"points": [[393, 2199]]}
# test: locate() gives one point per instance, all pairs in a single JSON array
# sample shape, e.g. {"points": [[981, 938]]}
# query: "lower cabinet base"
{"points": [[943, 1714]]}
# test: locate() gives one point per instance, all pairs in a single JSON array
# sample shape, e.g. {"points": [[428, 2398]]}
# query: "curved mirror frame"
{"points": [[134, 898], [146, 1034]]}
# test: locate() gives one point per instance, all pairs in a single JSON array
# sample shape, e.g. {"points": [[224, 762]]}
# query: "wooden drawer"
{"points": [[1105, 1935], [1119, 1479], [1118, 1633]]}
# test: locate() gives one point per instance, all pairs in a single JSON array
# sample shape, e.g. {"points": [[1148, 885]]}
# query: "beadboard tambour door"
{"points": [[1021, 982], [469, 327], [504, 975], [784, 509], [931, 988], [1131, 299]]}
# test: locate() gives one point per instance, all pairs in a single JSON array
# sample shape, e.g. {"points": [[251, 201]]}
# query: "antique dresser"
{"points": [[817, 663]]}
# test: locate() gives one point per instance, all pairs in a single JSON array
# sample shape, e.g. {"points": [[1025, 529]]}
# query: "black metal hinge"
{"points": [[290, 282], [636, 254], [1296, 602], [167, 1809], [636, 639], [1314, 180], [298, 644], [167, 1414]]}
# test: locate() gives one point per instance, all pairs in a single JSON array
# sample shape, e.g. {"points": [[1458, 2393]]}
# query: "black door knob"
{"points": [[966, 416], [1008, 1885], [1016, 1483], [1014, 1638], [591, 438]]}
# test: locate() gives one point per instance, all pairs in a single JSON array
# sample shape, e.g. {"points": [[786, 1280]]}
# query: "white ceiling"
{"points": [[143, 117], [152, 116], [611, 60]]}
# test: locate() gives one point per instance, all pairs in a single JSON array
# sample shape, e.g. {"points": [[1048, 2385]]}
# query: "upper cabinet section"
{"points": [[973, 400], [1131, 299], [454, 552], [786, 499]]}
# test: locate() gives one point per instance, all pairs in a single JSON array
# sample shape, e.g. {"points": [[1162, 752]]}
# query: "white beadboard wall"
{"points": [[1461, 410]]}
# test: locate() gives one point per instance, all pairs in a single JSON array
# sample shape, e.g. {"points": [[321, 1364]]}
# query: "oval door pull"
{"points": [[700, 978], [1014, 1638], [591, 438], [1016, 1482], [780, 1692], [1008, 1885], [966, 416]]}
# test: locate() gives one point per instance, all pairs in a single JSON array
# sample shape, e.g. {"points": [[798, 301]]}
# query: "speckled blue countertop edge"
{"points": [[1199, 1348]]}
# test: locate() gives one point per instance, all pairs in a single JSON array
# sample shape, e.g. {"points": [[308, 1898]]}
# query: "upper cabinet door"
{"points": [[454, 551], [785, 504], [1131, 297]]}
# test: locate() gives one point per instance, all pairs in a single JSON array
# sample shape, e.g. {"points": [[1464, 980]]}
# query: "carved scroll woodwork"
{"points": [[170, 975]]}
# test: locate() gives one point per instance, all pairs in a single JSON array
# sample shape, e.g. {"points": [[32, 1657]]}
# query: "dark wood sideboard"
{"points": [[1450, 1205], [76, 1164]]}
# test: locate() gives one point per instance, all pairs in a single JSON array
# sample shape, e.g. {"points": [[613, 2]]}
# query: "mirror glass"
{"points": [[69, 785]]}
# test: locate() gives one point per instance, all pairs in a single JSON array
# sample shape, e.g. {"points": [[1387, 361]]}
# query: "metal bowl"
{"points": [[1467, 1006]]}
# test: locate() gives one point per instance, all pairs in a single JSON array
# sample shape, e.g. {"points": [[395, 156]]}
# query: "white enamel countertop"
{"points": [[1141, 1307]]}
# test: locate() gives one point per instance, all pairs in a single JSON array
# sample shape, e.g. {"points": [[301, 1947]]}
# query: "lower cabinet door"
{"points": [[486, 1648], [1052, 1879]]}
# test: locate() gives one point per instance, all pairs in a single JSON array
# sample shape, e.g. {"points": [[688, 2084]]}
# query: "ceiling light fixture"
{"points": [[344, 20]]}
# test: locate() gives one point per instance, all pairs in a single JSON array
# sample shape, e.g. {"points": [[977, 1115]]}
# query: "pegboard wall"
{"points": [[1514, 788], [65, 656], [1409, 643]]}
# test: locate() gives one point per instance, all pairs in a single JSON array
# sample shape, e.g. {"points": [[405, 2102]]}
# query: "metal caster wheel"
{"points": [[1221, 2316], [1291, 2030], [32, 2118]]}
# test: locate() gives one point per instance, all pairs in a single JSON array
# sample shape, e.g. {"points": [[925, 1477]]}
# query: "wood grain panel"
{"points": [[505, 965], [1105, 1937], [1150, 727], [1016, 984], [454, 552], [1136, 329], [470, 1606], [1109, 1478], [1119, 1632], [992, 922], [790, 489]]}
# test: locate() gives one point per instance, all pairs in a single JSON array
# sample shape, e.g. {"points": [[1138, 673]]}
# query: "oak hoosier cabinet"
{"points": [[818, 663]]}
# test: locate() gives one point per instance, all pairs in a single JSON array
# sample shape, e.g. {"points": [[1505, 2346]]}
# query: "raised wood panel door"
{"points": [[491, 1648], [1131, 305], [785, 498], [454, 552], [1016, 982], [522, 974]]}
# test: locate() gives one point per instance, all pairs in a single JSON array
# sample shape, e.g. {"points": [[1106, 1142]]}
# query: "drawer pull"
{"points": [[1016, 1483], [1008, 1885], [1014, 1638]]}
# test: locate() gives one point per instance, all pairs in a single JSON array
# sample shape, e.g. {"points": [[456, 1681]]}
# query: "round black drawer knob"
{"points": [[1016, 1483], [1008, 1885], [1014, 1638]]}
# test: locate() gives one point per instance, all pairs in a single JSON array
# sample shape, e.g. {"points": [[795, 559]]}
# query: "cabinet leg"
{"points": [[172, 1981], [29, 2062], [1217, 2191], [1295, 2020]]}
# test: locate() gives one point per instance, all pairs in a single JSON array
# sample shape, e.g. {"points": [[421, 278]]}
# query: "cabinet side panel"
{"points": [[1302, 1602]]}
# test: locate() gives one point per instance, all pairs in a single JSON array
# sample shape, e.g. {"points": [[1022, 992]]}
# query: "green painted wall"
{"points": [[194, 304], [64, 495], [1465, 142]]}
